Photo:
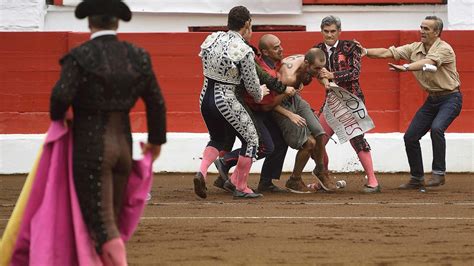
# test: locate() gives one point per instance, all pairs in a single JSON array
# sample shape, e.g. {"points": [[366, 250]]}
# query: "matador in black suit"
{"points": [[102, 79]]}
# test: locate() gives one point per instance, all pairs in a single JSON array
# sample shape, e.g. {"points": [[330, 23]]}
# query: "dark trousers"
{"points": [[272, 147], [265, 146], [273, 164], [436, 114]]}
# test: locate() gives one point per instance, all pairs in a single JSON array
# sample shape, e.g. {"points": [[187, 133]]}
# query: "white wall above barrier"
{"points": [[26, 15], [461, 14], [183, 151], [61, 18], [210, 6], [32, 15]]}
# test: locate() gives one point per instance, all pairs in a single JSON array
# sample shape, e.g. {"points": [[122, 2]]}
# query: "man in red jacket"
{"points": [[343, 68]]}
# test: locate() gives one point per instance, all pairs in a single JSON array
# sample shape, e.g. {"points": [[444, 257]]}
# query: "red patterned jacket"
{"points": [[346, 64]]}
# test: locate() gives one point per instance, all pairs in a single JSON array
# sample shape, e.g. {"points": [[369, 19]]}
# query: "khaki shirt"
{"points": [[446, 78]]}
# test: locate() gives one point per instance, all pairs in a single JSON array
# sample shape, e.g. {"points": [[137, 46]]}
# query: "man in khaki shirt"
{"points": [[433, 63]]}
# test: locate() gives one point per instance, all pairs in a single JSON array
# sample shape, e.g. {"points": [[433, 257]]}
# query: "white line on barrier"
{"points": [[316, 203], [299, 203], [301, 218], [296, 218]]}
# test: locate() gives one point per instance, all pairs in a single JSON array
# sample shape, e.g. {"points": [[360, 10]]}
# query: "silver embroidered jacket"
{"points": [[227, 58]]}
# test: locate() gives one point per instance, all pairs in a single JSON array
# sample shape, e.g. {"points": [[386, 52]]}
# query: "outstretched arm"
{"points": [[65, 89], [272, 83], [323, 80], [374, 52], [295, 118], [155, 113], [250, 78], [414, 66], [278, 99], [155, 116], [377, 53]]}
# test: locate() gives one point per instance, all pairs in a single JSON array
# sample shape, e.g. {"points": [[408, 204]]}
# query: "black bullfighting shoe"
{"points": [[200, 185]]}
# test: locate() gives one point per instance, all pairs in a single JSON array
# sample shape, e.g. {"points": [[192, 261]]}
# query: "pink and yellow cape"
{"points": [[46, 226]]}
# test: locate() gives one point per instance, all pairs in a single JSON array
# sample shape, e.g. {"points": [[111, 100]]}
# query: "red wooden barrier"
{"points": [[29, 68]]}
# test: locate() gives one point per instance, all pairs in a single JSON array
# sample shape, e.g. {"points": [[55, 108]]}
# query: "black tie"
{"points": [[331, 59]]}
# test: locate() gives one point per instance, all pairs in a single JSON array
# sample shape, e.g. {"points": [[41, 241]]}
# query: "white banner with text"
{"points": [[346, 114]]}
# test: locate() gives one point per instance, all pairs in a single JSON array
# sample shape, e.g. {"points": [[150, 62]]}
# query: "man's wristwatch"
{"points": [[406, 67]]}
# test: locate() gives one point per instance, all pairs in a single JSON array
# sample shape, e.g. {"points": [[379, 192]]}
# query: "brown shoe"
{"points": [[413, 184], [296, 185], [200, 185], [324, 180], [435, 180]]}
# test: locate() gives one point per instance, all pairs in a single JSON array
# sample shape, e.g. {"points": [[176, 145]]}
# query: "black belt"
{"points": [[442, 93]]}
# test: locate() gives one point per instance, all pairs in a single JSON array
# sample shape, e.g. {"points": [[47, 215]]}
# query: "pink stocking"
{"points": [[241, 174], [366, 160], [113, 253], [329, 133], [209, 156], [365, 157]]}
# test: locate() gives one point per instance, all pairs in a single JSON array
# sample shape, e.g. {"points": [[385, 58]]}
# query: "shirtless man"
{"points": [[298, 71], [300, 127]]}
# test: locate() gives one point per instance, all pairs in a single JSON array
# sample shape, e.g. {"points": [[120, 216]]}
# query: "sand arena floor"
{"points": [[347, 227]]}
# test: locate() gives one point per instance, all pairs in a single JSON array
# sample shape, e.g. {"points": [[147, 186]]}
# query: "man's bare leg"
{"points": [[295, 182], [320, 171], [317, 154], [302, 157]]}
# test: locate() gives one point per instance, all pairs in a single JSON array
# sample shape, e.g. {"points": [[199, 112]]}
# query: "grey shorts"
{"points": [[294, 135]]}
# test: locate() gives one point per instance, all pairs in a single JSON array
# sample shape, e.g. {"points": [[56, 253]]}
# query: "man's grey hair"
{"points": [[330, 20], [438, 24]]}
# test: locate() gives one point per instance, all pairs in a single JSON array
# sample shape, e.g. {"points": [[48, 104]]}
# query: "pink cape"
{"points": [[52, 231]]}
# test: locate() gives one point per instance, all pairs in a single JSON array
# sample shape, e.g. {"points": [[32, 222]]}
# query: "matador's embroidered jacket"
{"points": [[228, 62], [228, 59]]}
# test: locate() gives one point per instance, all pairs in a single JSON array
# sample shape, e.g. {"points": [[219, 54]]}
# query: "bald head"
{"points": [[270, 46], [315, 60], [315, 56], [265, 40]]}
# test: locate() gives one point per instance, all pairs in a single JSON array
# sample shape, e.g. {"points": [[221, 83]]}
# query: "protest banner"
{"points": [[346, 114]]}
